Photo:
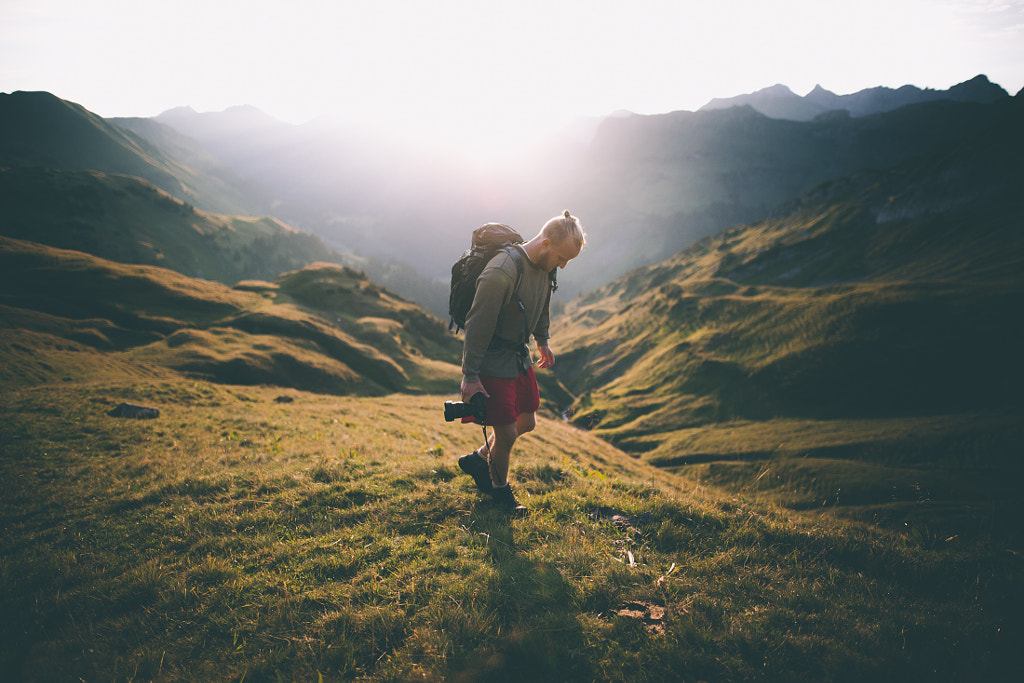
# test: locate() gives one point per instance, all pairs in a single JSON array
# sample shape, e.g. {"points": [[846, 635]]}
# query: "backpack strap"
{"points": [[517, 254]]}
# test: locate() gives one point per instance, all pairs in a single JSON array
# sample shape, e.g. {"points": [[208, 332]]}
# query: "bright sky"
{"points": [[487, 70]]}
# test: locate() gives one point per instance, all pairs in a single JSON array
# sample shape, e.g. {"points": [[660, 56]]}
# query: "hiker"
{"points": [[496, 357]]}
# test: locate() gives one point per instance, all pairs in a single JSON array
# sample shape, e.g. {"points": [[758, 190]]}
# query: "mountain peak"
{"points": [[204, 126], [978, 89], [777, 90], [177, 112], [776, 102]]}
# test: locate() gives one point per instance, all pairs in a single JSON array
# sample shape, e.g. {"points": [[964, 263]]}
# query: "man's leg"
{"points": [[500, 446], [501, 442]]}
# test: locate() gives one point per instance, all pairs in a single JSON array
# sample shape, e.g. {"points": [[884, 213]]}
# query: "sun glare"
{"points": [[486, 79], [466, 128]]}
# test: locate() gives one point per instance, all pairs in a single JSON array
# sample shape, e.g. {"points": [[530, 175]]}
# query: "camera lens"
{"points": [[477, 408], [453, 411]]}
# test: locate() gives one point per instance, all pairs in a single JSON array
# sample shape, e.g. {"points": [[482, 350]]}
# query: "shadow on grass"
{"points": [[539, 628]]}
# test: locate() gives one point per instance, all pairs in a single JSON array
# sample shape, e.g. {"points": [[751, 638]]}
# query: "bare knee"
{"points": [[526, 423], [505, 436]]}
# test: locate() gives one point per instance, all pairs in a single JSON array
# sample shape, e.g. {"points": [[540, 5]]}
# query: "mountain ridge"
{"points": [[693, 174], [40, 129], [344, 190], [916, 211], [126, 219], [779, 101]]}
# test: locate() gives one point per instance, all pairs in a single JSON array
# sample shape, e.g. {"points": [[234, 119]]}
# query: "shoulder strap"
{"points": [[516, 252]]}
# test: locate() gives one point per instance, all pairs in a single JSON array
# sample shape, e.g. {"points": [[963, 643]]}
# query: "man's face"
{"points": [[560, 253]]}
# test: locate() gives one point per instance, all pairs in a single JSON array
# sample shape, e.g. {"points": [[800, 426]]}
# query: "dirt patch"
{"points": [[652, 615]]}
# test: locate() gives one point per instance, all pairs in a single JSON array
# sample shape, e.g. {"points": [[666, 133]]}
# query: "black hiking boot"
{"points": [[507, 501], [477, 467]]}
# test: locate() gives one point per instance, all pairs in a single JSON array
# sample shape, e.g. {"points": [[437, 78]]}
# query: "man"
{"points": [[496, 359]]}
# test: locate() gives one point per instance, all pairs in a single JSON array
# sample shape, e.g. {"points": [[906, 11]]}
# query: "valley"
{"points": [[781, 440]]}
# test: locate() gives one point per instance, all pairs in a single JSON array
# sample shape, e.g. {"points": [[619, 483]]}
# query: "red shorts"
{"points": [[510, 398]]}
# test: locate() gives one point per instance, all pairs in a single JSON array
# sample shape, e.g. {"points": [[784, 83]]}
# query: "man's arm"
{"points": [[540, 333]]}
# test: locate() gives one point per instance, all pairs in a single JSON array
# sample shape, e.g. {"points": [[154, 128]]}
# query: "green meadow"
{"points": [[262, 533], [790, 452]]}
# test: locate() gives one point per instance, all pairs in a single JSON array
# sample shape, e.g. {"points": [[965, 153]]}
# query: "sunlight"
{"points": [[471, 131], [488, 78]]}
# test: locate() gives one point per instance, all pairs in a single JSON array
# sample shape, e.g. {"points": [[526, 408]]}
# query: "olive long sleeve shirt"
{"points": [[495, 326]]}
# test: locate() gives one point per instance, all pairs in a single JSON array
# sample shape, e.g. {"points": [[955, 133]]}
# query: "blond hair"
{"points": [[563, 227]]}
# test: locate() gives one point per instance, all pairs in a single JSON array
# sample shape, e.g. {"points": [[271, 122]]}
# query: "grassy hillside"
{"points": [[193, 155], [126, 219], [364, 341], [240, 537], [38, 129], [799, 460], [861, 347], [652, 185], [296, 512]]}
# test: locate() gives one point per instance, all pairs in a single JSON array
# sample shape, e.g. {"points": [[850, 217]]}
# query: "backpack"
{"points": [[488, 240]]}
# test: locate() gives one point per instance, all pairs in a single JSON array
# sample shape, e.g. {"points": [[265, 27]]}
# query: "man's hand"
{"points": [[469, 389], [547, 358]]}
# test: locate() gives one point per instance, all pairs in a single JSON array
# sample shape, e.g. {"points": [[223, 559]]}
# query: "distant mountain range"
{"points": [[665, 180], [39, 129], [653, 185], [126, 219], [139, 191], [403, 214], [779, 102], [886, 294]]}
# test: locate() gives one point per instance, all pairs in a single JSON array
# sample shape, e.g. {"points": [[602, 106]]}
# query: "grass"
{"points": [[126, 219], [295, 333], [240, 536], [255, 531], [855, 352]]}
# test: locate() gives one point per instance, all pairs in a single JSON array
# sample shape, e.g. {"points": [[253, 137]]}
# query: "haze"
{"points": [[489, 77]]}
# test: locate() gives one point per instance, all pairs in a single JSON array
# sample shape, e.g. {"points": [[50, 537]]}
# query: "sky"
{"points": [[488, 73]]}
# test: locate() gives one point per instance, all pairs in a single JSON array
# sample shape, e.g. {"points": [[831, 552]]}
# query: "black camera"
{"points": [[476, 407]]}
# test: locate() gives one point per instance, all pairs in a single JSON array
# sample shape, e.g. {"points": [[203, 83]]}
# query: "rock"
{"points": [[133, 411]]}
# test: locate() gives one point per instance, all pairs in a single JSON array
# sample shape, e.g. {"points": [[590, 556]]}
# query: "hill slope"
{"points": [[71, 179], [126, 219], [293, 168], [324, 328], [872, 321], [652, 185], [334, 538], [38, 129]]}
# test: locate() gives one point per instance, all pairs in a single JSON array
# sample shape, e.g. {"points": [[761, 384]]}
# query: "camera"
{"points": [[476, 407]]}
